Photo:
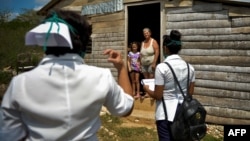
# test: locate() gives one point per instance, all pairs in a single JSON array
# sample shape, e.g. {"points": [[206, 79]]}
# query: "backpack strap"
{"points": [[188, 81], [176, 80]]}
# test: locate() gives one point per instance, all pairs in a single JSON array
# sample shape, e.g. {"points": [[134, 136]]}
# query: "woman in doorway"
{"points": [[149, 53], [149, 56]]}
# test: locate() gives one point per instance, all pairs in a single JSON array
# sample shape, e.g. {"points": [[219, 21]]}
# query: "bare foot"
{"points": [[137, 96]]}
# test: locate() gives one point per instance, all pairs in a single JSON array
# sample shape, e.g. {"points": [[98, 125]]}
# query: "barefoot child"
{"points": [[134, 67]]}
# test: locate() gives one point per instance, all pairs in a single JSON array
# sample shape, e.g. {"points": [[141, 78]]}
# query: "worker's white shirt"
{"points": [[171, 92], [60, 100]]}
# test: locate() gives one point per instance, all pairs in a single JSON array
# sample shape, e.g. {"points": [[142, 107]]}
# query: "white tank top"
{"points": [[147, 54]]}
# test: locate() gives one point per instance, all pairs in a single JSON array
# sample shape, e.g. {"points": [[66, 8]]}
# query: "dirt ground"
{"points": [[216, 131]]}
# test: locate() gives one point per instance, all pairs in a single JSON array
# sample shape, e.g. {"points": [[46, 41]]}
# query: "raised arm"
{"points": [[115, 57]]}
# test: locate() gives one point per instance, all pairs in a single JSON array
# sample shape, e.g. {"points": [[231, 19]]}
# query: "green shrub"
{"points": [[5, 77], [13, 42]]}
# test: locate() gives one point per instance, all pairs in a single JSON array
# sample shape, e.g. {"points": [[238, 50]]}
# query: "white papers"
{"points": [[149, 82]]}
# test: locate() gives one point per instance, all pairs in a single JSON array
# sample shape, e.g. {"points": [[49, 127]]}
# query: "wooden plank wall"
{"points": [[216, 41], [108, 32]]}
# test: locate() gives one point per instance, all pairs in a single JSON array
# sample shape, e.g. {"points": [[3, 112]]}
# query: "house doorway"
{"points": [[141, 16]]}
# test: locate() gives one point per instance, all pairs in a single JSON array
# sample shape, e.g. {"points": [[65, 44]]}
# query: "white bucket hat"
{"points": [[53, 32], [58, 36]]}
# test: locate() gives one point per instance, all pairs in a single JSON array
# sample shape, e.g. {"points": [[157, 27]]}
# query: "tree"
{"points": [[30, 16], [12, 35], [4, 16]]}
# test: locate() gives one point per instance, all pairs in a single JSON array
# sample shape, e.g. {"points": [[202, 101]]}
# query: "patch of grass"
{"points": [[113, 130], [137, 134], [211, 138]]}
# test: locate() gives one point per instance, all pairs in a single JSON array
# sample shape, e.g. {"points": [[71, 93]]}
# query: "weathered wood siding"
{"points": [[216, 41], [108, 32]]}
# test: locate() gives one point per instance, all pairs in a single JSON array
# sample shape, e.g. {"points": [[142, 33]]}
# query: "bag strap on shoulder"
{"points": [[176, 80]]}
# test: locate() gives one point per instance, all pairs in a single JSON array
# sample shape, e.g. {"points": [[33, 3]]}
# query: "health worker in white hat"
{"points": [[61, 98]]}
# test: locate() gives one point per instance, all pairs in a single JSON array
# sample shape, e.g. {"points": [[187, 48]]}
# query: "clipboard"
{"points": [[149, 82]]}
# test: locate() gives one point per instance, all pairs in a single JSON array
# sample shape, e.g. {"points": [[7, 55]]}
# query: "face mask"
{"points": [[164, 52], [165, 55], [82, 54]]}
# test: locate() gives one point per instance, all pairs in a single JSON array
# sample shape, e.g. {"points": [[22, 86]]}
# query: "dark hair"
{"points": [[175, 35], [137, 43], [79, 39], [166, 40], [172, 41]]}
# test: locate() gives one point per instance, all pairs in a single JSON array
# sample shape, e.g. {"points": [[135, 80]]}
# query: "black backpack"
{"points": [[189, 122]]}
